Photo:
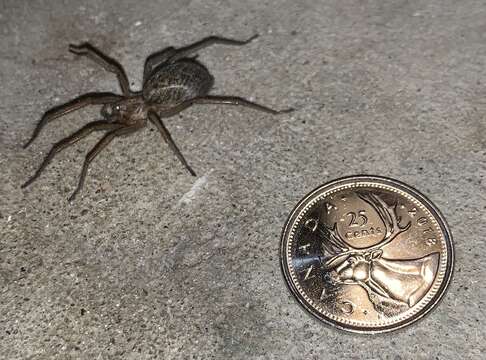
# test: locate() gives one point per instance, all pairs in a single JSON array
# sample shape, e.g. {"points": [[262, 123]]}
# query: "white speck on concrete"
{"points": [[195, 189]]}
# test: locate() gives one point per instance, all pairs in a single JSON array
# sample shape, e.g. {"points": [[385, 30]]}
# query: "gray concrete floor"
{"points": [[152, 263]]}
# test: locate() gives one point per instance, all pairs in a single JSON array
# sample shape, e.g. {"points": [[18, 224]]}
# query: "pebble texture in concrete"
{"points": [[152, 263]]}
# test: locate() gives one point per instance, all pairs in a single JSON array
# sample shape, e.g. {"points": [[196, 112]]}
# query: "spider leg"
{"points": [[234, 100], [157, 59], [105, 61], [76, 104], [157, 121], [105, 140], [211, 40], [68, 141]]}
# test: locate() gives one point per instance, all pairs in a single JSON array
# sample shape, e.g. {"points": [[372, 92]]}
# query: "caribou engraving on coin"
{"points": [[366, 254], [391, 284]]}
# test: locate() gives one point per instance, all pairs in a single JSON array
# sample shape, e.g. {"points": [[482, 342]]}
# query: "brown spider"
{"points": [[172, 81]]}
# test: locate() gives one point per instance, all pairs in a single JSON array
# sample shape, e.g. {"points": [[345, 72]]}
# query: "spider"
{"points": [[172, 81]]}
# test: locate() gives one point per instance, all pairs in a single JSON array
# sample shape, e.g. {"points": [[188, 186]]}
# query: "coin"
{"points": [[367, 254]]}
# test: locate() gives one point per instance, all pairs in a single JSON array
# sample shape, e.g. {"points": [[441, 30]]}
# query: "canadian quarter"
{"points": [[367, 254]]}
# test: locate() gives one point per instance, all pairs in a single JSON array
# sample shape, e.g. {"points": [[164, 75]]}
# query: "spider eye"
{"points": [[107, 110], [117, 108]]}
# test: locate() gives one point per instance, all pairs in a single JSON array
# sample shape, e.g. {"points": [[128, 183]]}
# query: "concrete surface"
{"points": [[153, 263]]}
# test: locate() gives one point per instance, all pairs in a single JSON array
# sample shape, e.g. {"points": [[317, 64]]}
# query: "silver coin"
{"points": [[367, 254]]}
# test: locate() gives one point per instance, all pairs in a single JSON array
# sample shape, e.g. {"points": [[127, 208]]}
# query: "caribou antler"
{"points": [[332, 243], [339, 250], [388, 215]]}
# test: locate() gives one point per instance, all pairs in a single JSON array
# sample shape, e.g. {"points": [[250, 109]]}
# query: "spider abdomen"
{"points": [[175, 83]]}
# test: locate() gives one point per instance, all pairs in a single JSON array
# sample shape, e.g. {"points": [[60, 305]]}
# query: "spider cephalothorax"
{"points": [[129, 110], [172, 81]]}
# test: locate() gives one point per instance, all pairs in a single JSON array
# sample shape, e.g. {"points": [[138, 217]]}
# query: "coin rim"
{"points": [[386, 181]]}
